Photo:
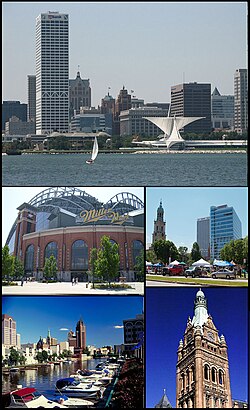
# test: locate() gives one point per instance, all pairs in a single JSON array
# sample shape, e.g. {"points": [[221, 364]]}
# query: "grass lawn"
{"points": [[198, 281]]}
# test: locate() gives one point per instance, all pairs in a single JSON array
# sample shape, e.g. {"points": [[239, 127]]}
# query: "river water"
{"points": [[45, 377], [208, 169]]}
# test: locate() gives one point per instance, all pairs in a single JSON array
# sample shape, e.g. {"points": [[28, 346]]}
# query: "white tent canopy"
{"points": [[202, 262], [175, 263]]}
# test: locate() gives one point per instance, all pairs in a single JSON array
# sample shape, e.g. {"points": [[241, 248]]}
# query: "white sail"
{"points": [[95, 150]]}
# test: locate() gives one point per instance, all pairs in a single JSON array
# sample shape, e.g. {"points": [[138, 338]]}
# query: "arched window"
{"points": [[220, 376], [29, 259], [206, 372], [51, 249], [137, 246], [213, 375], [79, 255], [193, 374]]}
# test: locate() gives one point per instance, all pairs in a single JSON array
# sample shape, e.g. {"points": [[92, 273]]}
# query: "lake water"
{"points": [[45, 377], [209, 169]]}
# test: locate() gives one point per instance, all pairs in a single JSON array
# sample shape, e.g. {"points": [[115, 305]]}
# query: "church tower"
{"points": [[202, 377], [159, 225]]}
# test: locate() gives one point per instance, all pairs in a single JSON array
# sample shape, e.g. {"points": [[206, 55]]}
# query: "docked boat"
{"points": [[74, 388], [28, 397], [71, 401]]}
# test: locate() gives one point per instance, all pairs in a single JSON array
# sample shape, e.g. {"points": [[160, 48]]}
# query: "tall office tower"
{"points": [[192, 100], [225, 226], [52, 73], [80, 335], [9, 335], [31, 98], [203, 236], [202, 375], [79, 94], [13, 109], [123, 102], [240, 100], [222, 110], [159, 225]]}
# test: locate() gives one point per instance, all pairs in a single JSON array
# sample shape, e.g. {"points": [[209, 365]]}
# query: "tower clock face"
{"points": [[210, 336]]}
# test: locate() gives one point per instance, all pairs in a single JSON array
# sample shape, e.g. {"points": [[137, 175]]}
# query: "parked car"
{"points": [[224, 274], [173, 270], [194, 271]]}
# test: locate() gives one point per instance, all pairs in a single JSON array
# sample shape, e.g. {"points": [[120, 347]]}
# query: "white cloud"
{"points": [[64, 328], [118, 327]]}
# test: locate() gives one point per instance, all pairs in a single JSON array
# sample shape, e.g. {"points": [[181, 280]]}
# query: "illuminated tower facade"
{"points": [[202, 378]]}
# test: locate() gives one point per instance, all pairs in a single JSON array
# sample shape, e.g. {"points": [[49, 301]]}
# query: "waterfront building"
{"points": [[77, 340], [225, 226], [31, 98], [241, 100], [15, 126], [164, 402], [133, 335], [192, 100], [122, 103], [222, 111], [79, 94], [9, 335], [137, 102], [13, 108], [159, 225], [88, 123], [52, 72], [203, 236], [68, 223], [202, 376], [133, 121]]}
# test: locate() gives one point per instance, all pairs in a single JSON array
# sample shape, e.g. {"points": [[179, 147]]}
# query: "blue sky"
{"points": [[34, 315], [145, 46], [167, 311], [12, 197], [183, 206]]}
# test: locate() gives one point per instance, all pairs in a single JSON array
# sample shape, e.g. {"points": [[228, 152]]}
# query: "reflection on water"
{"points": [[45, 377]]}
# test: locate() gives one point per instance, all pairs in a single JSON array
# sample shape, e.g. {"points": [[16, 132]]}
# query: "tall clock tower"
{"points": [[159, 225], [202, 378]]}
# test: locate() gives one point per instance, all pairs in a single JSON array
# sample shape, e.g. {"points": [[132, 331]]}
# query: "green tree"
{"points": [[108, 260], [151, 256], [183, 254], [236, 250], [93, 259], [165, 250], [140, 266], [50, 267], [39, 357], [44, 355], [18, 269], [195, 252], [7, 263], [14, 356]]}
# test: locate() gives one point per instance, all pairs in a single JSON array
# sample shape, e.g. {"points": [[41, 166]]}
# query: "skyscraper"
{"points": [[222, 110], [52, 72], [225, 226], [203, 236], [159, 225], [123, 102], [202, 376], [9, 335], [80, 335], [240, 100], [192, 100], [31, 98], [79, 94]]}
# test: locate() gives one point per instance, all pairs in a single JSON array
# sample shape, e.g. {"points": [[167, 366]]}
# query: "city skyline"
{"points": [[15, 196], [165, 327], [60, 314], [183, 206], [151, 37]]}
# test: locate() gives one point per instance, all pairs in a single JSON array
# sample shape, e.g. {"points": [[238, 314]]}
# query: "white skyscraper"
{"points": [[52, 72]]}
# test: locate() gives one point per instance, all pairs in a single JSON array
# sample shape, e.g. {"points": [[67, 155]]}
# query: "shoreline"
{"points": [[192, 152], [145, 151]]}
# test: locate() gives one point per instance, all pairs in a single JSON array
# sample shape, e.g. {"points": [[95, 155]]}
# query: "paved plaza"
{"points": [[66, 288]]}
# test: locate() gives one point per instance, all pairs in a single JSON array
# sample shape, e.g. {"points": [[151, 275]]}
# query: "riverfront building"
{"points": [[241, 100], [202, 376], [52, 73], [133, 121], [9, 335], [203, 236], [13, 108], [32, 98], [222, 111], [134, 335], [192, 100], [225, 226], [68, 223]]}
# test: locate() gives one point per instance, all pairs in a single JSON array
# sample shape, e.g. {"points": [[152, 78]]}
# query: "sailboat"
{"points": [[94, 152]]}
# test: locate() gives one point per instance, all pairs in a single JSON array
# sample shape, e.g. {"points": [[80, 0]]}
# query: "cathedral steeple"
{"points": [[159, 225]]}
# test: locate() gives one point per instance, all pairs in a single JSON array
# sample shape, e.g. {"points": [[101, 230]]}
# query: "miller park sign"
{"points": [[94, 215]]}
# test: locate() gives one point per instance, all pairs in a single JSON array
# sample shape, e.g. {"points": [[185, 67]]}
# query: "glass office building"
{"points": [[225, 226]]}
